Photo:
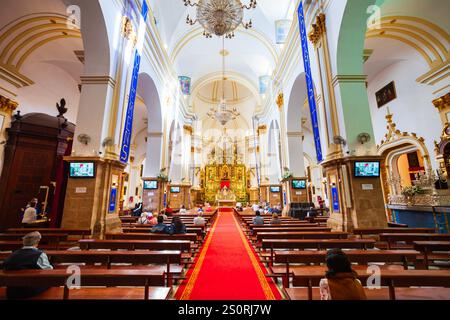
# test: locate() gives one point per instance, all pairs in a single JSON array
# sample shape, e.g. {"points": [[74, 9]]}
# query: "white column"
{"points": [[154, 152], [296, 157]]}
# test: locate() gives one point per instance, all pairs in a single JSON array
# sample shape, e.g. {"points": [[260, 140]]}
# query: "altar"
{"points": [[225, 198]]}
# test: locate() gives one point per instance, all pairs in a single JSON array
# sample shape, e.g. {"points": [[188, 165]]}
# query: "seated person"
{"points": [[163, 214], [30, 214], [137, 211], [178, 226], [275, 219], [200, 210], [154, 220], [143, 219], [27, 258], [258, 220], [169, 210], [208, 208], [340, 282], [160, 227], [199, 220], [183, 209], [255, 207]]}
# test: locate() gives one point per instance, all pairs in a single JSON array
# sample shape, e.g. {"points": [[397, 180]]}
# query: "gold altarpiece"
{"points": [[234, 177]]}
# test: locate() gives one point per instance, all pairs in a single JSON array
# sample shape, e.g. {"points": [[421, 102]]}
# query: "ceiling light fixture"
{"points": [[220, 17], [222, 114]]}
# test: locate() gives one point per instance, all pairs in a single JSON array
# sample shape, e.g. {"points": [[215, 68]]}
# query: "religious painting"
{"points": [[185, 83], [386, 95], [282, 28]]}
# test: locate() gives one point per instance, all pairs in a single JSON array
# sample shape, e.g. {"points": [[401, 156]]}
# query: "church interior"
{"points": [[224, 150]]}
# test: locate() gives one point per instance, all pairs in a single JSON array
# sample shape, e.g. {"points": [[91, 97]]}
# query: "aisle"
{"points": [[227, 267]]}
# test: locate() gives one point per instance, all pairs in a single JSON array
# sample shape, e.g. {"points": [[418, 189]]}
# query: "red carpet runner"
{"points": [[227, 267]]}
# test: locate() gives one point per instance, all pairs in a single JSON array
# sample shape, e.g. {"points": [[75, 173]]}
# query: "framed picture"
{"points": [[386, 95]]}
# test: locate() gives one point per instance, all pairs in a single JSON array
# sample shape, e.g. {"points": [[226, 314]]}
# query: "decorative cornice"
{"points": [[348, 79], [442, 102], [14, 77], [318, 29], [155, 134], [7, 105], [98, 80]]}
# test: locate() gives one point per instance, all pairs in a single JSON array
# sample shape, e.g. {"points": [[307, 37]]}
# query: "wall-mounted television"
{"points": [[368, 169], [82, 170], [150, 185], [299, 184], [274, 189], [174, 189]]}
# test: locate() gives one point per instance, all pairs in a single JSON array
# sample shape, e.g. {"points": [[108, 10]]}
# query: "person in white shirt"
{"points": [[143, 219], [199, 220], [30, 214], [255, 207], [183, 210]]}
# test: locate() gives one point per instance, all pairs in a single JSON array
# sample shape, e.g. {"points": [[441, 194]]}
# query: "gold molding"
{"points": [[188, 128], [98, 80], [7, 105], [318, 29], [280, 100], [442, 102]]}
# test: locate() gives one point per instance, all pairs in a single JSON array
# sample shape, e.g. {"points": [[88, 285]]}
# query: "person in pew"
{"points": [[163, 214], [137, 211], [30, 214], [275, 219], [154, 220], [183, 210], [199, 221], [161, 227], [143, 219], [255, 207], [258, 220], [27, 258], [169, 210], [178, 226], [340, 282]]}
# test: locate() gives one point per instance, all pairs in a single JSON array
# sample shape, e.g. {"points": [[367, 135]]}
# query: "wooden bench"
{"points": [[272, 244], [152, 236], [409, 238], [320, 234], [181, 245], [291, 225], [71, 232], [89, 278], [196, 230], [427, 247], [281, 229], [355, 256], [310, 277], [377, 231], [47, 238], [15, 245]]}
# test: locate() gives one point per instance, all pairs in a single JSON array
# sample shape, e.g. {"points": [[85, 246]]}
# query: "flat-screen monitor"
{"points": [[299, 184], [367, 169], [274, 189], [150, 185], [82, 170], [174, 189]]}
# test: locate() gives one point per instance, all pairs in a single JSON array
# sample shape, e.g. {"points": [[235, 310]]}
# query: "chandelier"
{"points": [[222, 114], [220, 17]]}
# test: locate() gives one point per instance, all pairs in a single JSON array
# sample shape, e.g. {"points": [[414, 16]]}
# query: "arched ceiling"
{"points": [[195, 56]]}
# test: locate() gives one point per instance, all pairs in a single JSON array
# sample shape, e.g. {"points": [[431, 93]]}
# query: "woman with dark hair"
{"points": [[340, 282], [178, 225]]}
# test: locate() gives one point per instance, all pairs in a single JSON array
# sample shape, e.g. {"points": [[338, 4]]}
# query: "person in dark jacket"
{"points": [[178, 226], [161, 227], [27, 258]]}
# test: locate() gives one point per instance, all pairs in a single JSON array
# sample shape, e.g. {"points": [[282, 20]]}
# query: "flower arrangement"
{"points": [[287, 174], [163, 175], [412, 191]]}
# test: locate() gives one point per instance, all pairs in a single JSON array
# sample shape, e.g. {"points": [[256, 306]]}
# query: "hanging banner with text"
{"points": [[128, 127], [309, 83]]}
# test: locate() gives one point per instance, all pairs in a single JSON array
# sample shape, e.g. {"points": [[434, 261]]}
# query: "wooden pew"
{"points": [[71, 232], [284, 229], [377, 231], [47, 239], [151, 236], [272, 244], [427, 247], [92, 244], [301, 235], [291, 225], [311, 277], [409, 238], [355, 256], [196, 230], [89, 278]]}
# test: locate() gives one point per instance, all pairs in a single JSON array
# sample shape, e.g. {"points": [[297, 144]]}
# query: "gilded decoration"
{"points": [[318, 29], [7, 105], [280, 100], [218, 176], [442, 102]]}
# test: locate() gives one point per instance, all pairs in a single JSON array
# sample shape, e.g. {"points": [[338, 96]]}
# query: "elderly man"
{"points": [[27, 258]]}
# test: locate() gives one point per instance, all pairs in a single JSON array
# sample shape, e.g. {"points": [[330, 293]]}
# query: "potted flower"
{"points": [[163, 175], [287, 174], [410, 192]]}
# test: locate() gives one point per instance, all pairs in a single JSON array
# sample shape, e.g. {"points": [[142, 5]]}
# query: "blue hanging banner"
{"points": [[128, 127], [309, 83], [335, 199], [112, 200]]}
